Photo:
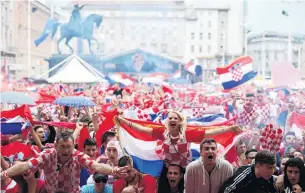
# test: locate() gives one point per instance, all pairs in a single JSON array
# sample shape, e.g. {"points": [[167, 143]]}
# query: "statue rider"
{"points": [[75, 19]]}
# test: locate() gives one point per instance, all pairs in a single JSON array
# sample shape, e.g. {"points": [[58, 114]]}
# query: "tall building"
{"points": [[21, 23], [269, 47], [186, 31]]}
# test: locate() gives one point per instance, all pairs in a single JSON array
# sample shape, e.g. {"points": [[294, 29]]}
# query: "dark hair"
{"points": [[37, 127], [250, 95], [249, 151], [124, 160], [64, 136], [207, 140], [85, 119], [176, 165], [90, 122], [163, 184], [295, 162], [260, 91], [265, 157], [106, 135], [89, 142], [300, 153]]}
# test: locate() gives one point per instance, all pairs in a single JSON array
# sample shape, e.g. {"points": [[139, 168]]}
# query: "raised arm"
{"points": [[135, 126], [81, 7], [221, 130], [15, 170]]}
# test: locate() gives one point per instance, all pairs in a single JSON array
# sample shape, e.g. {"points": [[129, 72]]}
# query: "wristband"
{"points": [[4, 175]]}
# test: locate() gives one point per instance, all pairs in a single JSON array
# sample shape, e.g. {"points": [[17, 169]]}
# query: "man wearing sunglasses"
{"points": [[99, 185]]}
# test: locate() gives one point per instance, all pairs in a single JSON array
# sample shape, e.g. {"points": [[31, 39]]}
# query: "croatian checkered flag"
{"points": [[142, 115]]}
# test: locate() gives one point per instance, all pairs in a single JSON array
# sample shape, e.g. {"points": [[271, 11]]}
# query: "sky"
{"points": [[263, 15]]}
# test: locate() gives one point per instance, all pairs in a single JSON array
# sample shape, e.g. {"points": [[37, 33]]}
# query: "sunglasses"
{"points": [[101, 179]]}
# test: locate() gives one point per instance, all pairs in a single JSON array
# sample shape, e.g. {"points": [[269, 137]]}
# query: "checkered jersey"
{"points": [[264, 111], [174, 151], [245, 117], [58, 177]]}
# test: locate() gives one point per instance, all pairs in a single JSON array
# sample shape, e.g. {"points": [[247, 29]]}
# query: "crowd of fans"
{"points": [[64, 164]]}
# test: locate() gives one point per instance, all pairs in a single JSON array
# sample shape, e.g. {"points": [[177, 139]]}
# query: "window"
{"points": [[210, 23], [192, 36], [192, 49], [201, 24], [267, 56], [209, 36], [143, 45], [164, 48], [222, 24], [221, 36], [201, 36], [275, 56], [175, 49], [143, 37], [221, 48], [200, 49], [153, 46], [210, 13], [112, 14], [209, 48]]}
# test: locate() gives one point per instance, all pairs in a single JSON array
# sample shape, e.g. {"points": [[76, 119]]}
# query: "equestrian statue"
{"points": [[78, 28]]}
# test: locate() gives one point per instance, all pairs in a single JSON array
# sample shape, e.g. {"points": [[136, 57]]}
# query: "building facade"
{"points": [[175, 28], [22, 22], [270, 47]]}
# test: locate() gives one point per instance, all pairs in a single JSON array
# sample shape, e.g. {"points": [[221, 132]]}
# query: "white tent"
{"points": [[75, 70]]}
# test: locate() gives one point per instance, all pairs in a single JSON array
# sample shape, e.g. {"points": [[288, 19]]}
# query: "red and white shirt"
{"points": [[58, 177], [177, 150], [12, 187]]}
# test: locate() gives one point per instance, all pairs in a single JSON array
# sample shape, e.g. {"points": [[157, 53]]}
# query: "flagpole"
{"points": [[29, 38], [224, 51], [289, 41], [263, 67]]}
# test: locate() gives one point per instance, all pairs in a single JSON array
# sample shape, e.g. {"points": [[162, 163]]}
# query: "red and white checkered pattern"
{"points": [[271, 138], [142, 115], [264, 111], [174, 152], [245, 117], [237, 74], [198, 111], [61, 178]]}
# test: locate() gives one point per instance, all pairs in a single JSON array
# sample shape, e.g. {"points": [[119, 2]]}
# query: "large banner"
{"points": [[139, 62]]}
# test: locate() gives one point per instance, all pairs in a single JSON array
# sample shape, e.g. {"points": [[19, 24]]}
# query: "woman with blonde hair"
{"points": [[175, 138]]}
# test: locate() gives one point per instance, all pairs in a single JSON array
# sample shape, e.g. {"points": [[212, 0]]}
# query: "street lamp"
{"points": [[247, 30]]}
